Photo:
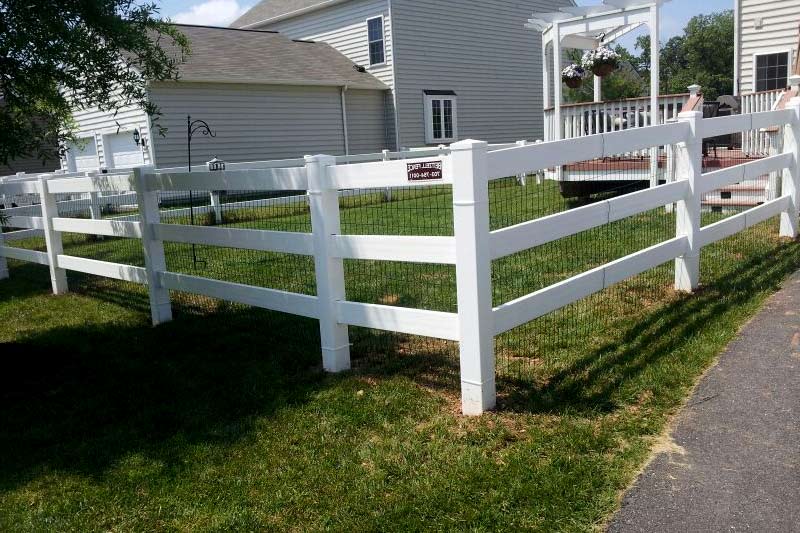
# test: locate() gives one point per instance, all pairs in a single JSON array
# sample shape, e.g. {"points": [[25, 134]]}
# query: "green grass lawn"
{"points": [[222, 419]]}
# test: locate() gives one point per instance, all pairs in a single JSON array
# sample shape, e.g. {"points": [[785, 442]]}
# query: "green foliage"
{"points": [[625, 82], [702, 55], [90, 54]]}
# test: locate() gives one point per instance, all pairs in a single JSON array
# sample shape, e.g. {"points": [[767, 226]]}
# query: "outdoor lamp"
{"points": [[136, 137]]}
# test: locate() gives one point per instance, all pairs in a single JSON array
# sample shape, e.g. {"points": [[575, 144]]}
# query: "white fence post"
{"points": [[387, 193], [3, 261], [791, 176], [216, 206], [689, 166], [522, 178], [154, 259], [52, 238], [324, 204], [473, 275], [94, 206]]}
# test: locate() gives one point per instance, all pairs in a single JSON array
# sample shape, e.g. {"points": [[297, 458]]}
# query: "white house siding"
{"points": [[779, 33], [260, 122], [344, 26], [480, 50], [91, 123]]}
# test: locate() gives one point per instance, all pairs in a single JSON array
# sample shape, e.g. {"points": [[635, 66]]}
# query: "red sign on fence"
{"points": [[424, 171]]}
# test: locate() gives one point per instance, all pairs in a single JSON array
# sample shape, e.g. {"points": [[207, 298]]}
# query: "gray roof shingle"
{"points": [[247, 56], [268, 9]]}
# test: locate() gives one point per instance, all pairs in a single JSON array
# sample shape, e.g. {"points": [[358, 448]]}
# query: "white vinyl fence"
{"points": [[469, 167]]}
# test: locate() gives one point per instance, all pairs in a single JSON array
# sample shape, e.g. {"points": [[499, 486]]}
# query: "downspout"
{"points": [[394, 81], [344, 120]]}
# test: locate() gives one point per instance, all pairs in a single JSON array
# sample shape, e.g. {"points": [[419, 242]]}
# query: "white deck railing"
{"points": [[758, 142], [591, 118], [468, 166]]}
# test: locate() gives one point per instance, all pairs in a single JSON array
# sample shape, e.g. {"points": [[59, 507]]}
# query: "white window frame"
{"points": [[754, 67], [383, 42], [429, 138]]}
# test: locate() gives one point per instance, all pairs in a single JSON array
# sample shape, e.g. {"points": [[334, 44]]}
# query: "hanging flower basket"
{"points": [[573, 76], [601, 61]]}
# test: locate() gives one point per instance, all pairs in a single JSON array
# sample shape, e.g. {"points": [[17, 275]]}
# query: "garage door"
{"points": [[82, 155], [122, 152]]}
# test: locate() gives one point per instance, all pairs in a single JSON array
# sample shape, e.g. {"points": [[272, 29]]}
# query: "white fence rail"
{"points": [[469, 166]]}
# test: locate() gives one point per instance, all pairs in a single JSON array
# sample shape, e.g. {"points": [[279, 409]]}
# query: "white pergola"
{"points": [[587, 27]]}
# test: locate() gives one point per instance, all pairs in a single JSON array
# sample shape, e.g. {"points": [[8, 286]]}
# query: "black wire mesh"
{"points": [[420, 210], [536, 349]]}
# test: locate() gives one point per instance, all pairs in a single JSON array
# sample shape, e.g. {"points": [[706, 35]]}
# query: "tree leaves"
{"points": [[56, 54]]}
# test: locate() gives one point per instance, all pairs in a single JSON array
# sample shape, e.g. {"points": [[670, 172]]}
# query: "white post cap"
{"points": [[694, 89]]}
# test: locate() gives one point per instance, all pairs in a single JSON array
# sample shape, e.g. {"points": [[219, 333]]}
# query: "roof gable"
{"points": [[247, 56], [267, 10]]}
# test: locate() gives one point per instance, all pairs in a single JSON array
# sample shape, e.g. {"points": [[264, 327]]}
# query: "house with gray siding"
{"points": [[264, 95], [456, 69]]}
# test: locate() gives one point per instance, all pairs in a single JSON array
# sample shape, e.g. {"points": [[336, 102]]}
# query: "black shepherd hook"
{"points": [[193, 127]]}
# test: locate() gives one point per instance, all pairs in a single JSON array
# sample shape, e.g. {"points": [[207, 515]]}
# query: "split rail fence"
{"points": [[468, 167]]}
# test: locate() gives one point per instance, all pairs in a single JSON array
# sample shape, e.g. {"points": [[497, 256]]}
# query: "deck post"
{"points": [[154, 259], [791, 175], [52, 238], [689, 163], [329, 270], [655, 88], [473, 275]]}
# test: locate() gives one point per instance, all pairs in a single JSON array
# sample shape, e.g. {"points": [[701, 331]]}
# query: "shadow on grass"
{"points": [[78, 399], [588, 385]]}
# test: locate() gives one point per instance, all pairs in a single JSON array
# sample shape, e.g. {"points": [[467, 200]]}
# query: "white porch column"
{"points": [[558, 126], [598, 89], [545, 75], [655, 87]]}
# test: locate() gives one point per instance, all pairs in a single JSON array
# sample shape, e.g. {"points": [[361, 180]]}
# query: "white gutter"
{"points": [[344, 120], [394, 81], [310, 83]]}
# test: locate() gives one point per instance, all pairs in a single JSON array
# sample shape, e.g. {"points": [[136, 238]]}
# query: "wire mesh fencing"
{"points": [[534, 352], [410, 210]]}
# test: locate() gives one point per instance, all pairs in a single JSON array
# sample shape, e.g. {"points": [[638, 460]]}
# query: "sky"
{"points": [[674, 14]]}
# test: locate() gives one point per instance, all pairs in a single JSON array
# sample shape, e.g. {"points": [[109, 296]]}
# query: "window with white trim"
{"points": [[440, 117], [772, 71], [377, 48]]}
